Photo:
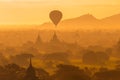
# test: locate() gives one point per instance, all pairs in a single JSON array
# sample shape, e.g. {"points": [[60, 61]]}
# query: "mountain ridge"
{"points": [[88, 21]]}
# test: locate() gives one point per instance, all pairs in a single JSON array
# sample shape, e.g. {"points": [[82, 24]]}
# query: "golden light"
{"points": [[36, 11]]}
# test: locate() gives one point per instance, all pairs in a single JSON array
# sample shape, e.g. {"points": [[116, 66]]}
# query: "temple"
{"points": [[55, 39], [30, 73], [38, 40], [54, 45]]}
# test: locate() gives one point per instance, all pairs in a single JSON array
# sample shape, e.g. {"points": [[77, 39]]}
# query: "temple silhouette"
{"points": [[30, 72], [55, 44]]}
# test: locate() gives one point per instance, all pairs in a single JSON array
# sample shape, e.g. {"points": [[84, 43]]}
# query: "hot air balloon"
{"points": [[55, 16]]}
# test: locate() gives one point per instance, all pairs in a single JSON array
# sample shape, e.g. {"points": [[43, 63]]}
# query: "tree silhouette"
{"points": [[69, 72]]}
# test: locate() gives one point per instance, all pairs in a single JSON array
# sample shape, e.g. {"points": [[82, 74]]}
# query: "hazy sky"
{"points": [[69, 1], [37, 11]]}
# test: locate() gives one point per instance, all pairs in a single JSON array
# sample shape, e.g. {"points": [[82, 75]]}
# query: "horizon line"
{"points": [[14, 24]]}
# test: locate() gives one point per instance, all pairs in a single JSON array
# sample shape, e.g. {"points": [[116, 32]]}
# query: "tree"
{"points": [[13, 72], [21, 59], [95, 58], [70, 72], [53, 59], [107, 75]]}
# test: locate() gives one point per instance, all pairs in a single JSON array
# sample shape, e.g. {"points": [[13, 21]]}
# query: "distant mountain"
{"points": [[87, 21], [112, 20]]}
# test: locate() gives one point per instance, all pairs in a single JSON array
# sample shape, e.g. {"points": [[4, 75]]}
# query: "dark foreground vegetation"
{"points": [[62, 72]]}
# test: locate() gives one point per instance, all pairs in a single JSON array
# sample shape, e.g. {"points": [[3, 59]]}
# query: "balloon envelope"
{"points": [[55, 16]]}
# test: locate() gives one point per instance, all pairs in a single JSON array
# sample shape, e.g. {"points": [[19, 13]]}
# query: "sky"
{"points": [[69, 1], [20, 12]]}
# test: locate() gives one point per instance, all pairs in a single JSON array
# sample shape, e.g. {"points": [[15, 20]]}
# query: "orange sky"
{"points": [[37, 11]]}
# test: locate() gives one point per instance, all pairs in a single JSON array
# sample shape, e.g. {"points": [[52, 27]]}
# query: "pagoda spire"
{"points": [[30, 72], [30, 62], [38, 40], [55, 38]]}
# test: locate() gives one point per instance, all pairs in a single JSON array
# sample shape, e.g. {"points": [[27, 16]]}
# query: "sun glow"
{"points": [[36, 11]]}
